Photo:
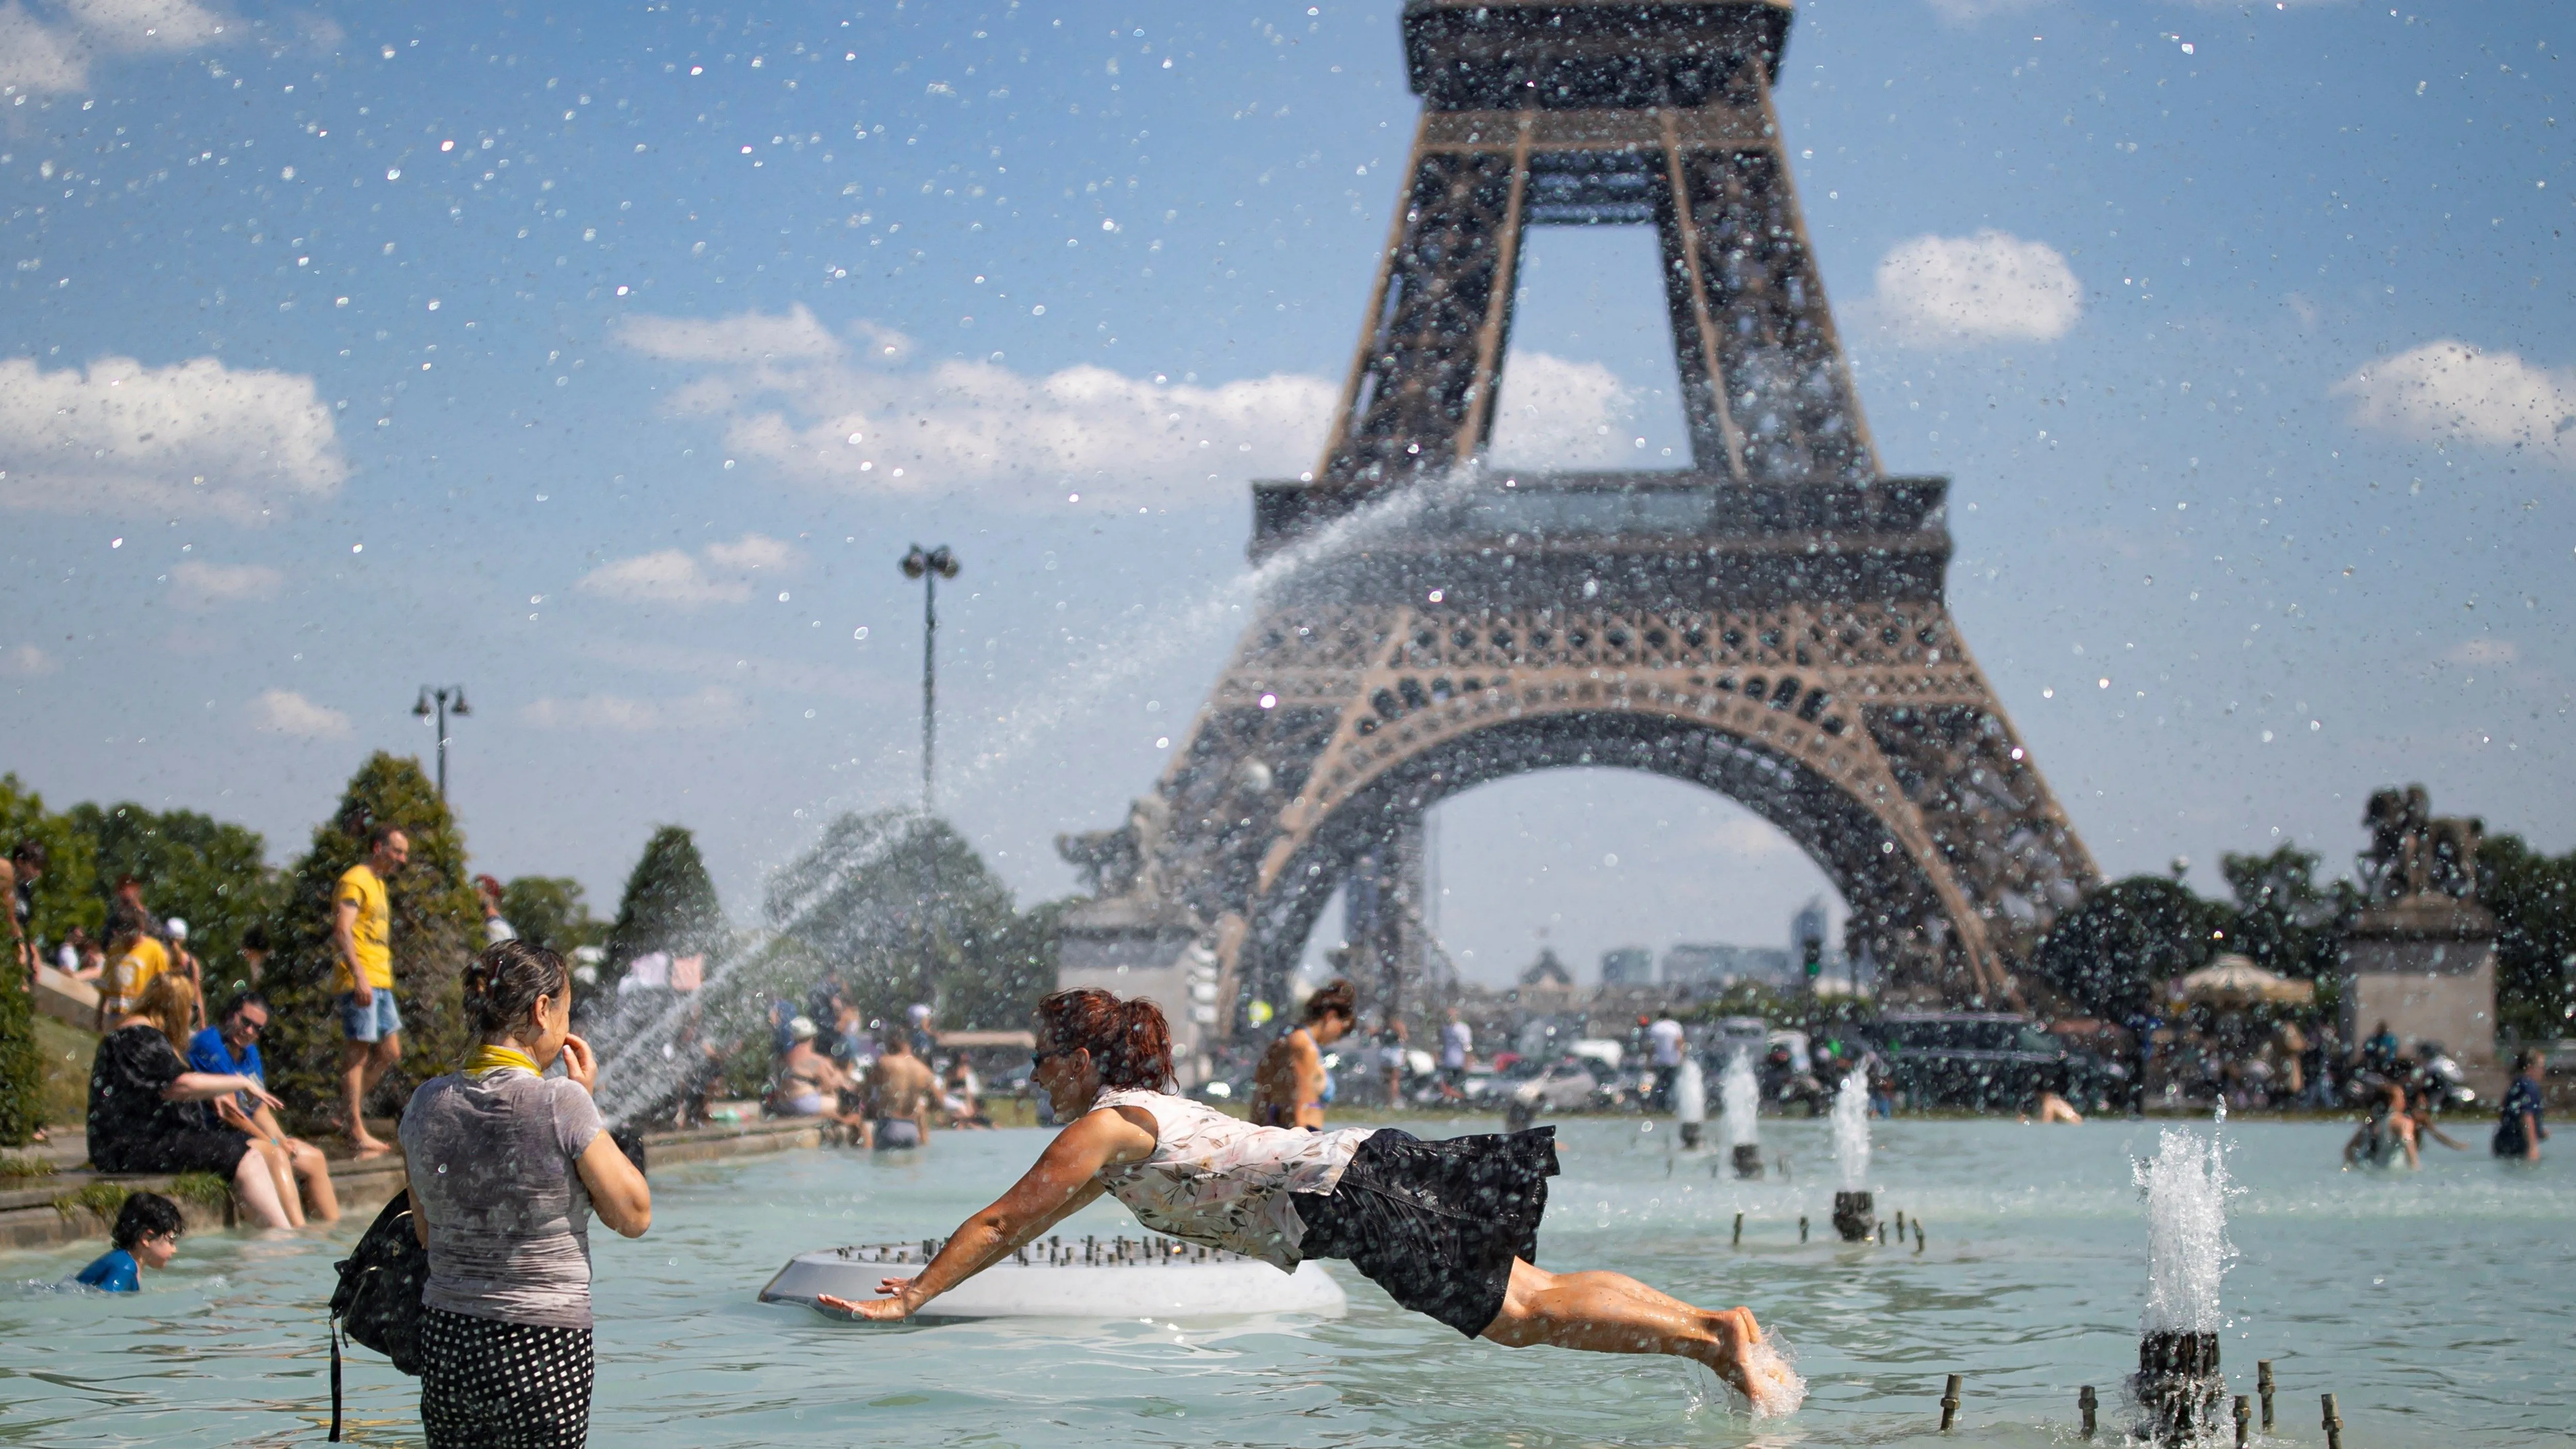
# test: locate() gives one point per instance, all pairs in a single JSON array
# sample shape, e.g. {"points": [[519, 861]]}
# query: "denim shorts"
{"points": [[374, 1021]]}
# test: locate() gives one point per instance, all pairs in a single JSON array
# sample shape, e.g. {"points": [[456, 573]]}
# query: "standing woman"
{"points": [[506, 1168], [1448, 1229], [1291, 1088]]}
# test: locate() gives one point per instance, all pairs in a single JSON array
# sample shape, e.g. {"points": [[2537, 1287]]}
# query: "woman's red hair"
{"points": [[1128, 1040]]}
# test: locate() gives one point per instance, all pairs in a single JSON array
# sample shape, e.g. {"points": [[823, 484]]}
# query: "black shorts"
{"points": [[1436, 1224]]}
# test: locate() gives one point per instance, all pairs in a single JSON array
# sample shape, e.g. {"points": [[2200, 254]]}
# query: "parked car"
{"points": [[1564, 1085], [1983, 1061]]}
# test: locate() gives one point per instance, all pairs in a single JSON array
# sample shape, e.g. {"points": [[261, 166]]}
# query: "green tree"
{"points": [[549, 911], [2281, 919], [22, 1066], [2533, 896], [670, 905], [437, 928], [213, 875], [2108, 953], [68, 894], [901, 908]]}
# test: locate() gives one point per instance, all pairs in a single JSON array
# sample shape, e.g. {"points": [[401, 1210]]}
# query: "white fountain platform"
{"points": [[1091, 1277]]}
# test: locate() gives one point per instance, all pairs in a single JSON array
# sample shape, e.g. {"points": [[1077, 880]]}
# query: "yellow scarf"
{"points": [[490, 1058]]}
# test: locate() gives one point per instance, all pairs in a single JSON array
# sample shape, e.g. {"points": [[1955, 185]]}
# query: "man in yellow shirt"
{"points": [[135, 958], [362, 952]]}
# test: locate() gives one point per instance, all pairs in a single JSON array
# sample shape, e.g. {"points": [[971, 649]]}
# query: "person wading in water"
{"points": [[1449, 1229], [1290, 1088]]}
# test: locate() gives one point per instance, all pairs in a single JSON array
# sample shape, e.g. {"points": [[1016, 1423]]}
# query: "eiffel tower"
{"points": [[1769, 623]]}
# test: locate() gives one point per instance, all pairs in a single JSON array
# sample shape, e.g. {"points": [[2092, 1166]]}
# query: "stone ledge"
{"points": [[30, 1221]]}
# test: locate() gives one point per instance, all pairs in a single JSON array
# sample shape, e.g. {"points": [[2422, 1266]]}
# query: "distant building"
{"points": [[1628, 966], [1710, 967], [1547, 971]]}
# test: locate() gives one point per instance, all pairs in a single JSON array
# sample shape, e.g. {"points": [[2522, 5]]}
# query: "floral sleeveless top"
{"points": [[1226, 1183]]}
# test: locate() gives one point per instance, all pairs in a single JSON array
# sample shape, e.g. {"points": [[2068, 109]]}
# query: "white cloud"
{"points": [[28, 660], [204, 585], [746, 337], [44, 58], [194, 437], [2449, 391], [1561, 414], [1937, 291], [285, 712], [791, 396], [752, 551], [713, 707], [2482, 651], [1968, 12], [671, 576]]}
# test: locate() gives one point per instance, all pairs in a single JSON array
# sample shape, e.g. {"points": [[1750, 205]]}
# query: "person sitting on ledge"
{"points": [[231, 1048], [1449, 1229], [146, 1236], [145, 1112]]}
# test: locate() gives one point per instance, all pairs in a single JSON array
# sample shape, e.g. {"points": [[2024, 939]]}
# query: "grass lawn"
{"points": [[67, 1051]]}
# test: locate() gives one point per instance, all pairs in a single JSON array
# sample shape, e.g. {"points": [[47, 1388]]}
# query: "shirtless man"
{"points": [[1288, 1088], [901, 1089]]}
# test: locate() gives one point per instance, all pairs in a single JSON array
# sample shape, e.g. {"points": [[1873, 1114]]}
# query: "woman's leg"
{"points": [[1614, 1313], [320, 1197], [255, 1183], [283, 1173]]}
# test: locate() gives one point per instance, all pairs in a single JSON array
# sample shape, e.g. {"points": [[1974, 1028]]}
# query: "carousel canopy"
{"points": [[2236, 981]]}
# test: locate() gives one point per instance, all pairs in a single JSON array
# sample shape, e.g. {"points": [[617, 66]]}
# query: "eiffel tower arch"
{"points": [[1769, 623]]}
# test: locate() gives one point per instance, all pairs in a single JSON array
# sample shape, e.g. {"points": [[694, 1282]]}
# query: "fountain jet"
{"points": [[1855, 1212], [1737, 1097], [1690, 1101], [2179, 1383]]}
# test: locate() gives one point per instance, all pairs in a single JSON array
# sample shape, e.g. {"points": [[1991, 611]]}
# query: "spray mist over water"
{"points": [[2187, 1248], [1737, 1097], [1851, 1131], [642, 1058]]}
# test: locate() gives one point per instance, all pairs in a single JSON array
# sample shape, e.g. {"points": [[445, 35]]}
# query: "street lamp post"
{"points": [[929, 566], [448, 701]]}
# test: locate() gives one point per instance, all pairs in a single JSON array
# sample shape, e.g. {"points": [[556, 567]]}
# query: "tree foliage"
{"points": [[902, 909], [437, 928], [670, 905], [68, 895], [213, 875], [2281, 918], [2107, 954], [2533, 896], [550, 911]]}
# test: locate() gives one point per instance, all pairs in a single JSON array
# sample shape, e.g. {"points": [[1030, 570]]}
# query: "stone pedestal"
{"points": [[1855, 1216], [2425, 964], [2179, 1385]]}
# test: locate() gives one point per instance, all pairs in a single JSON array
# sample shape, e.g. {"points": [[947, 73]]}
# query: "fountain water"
{"points": [[2179, 1384], [645, 1051], [1737, 1097], [1855, 1212], [1690, 1101]]}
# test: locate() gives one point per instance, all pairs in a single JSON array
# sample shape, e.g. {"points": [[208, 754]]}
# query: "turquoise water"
{"points": [[2431, 1304]]}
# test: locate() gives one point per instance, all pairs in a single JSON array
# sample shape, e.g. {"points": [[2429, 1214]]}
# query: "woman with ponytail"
{"points": [[507, 1166], [1448, 1229]]}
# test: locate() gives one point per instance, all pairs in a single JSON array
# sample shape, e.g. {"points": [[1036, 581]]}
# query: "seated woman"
{"points": [[145, 1112], [1448, 1228]]}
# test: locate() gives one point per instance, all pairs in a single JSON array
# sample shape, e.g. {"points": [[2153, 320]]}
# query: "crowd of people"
{"points": [[886, 1087]]}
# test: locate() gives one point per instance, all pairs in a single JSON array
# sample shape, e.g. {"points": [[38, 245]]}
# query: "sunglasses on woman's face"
{"points": [[1038, 1060]]}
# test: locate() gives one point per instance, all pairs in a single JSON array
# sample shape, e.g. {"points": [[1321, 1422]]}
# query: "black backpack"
{"points": [[377, 1303]]}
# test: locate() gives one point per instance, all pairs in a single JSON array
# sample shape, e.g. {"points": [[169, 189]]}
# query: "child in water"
{"points": [[146, 1236]]}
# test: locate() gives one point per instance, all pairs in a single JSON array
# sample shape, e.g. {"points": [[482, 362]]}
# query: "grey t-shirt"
{"points": [[492, 1165]]}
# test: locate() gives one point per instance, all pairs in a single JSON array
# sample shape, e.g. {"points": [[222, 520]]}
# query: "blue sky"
{"points": [[606, 359]]}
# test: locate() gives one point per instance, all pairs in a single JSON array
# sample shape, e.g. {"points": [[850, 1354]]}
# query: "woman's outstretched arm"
{"points": [[1065, 1178]]}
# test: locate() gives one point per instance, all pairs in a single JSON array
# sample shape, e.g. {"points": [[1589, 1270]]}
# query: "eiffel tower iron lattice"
{"points": [[1769, 623]]}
